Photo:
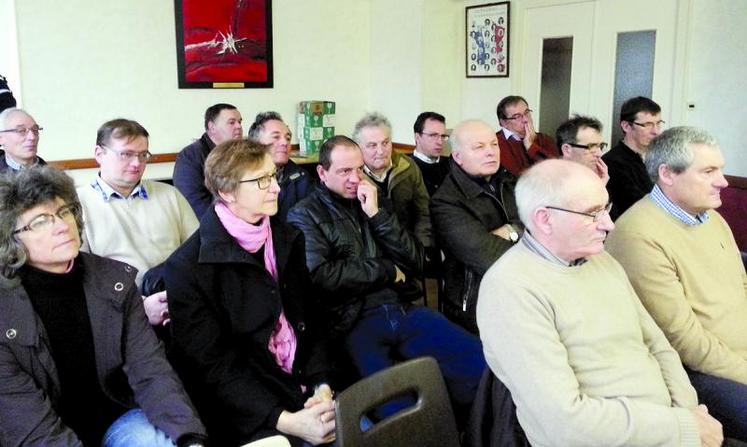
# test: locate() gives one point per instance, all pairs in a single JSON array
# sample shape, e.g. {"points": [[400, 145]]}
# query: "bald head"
{"points": [[562, 204], [20, 145], [474, 147]]}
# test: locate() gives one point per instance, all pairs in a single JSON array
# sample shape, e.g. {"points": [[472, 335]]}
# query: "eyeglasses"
{"points": [[263, 182], [595, 216], [130, 155], [651, 124], [602, 147], [434, 135], [519, 116], [22, 131], [45, 221]]}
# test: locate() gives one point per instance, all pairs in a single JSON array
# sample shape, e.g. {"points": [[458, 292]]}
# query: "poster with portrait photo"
{"points": [[487, 28]]}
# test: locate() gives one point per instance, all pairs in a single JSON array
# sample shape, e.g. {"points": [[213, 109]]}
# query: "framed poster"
{"points": [[224, 43], [487, 40]]}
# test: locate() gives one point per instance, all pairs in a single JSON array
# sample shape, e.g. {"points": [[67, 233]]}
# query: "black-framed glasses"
{"points": [[22, 131], [263, 182], [595, 216], [143, 157], [434, 135], [651, 124], [518, 116], [45, 221], [602, 147]]}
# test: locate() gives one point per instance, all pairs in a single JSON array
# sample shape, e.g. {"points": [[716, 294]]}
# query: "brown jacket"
{"points": [[130, 361]]}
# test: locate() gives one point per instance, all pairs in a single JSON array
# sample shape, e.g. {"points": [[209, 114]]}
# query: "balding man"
{"points": [[563, 329], [19, 137], [474, 217], [683, 261]]}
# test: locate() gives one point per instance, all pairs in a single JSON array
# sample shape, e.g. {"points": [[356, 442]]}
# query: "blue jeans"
{"points": [[391, 332], [726, 401], [133, 429]]}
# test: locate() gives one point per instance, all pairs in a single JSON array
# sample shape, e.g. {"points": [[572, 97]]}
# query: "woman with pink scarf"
{"points": [[241, 305]]}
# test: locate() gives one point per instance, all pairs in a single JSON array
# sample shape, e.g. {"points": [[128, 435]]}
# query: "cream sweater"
{"points": [[692, 281], [140, 232], [585, 363]]}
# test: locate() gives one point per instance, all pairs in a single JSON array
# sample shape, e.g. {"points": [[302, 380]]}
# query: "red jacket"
{"points": [[516, 159]]}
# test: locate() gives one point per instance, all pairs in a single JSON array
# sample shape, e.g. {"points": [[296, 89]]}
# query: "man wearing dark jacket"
{"points": [[222, 123], [19, 138], [365, 261], [269, 128], [474, 217]]}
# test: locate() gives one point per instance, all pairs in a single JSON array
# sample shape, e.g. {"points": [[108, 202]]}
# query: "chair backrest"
{"points": [[429, 422]]}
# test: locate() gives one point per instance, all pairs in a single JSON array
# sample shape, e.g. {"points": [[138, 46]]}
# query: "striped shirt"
{"points": [[107, 192], [658, 197]]}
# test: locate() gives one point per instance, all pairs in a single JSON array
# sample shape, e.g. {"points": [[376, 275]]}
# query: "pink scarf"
{"points": [[251, 238]]}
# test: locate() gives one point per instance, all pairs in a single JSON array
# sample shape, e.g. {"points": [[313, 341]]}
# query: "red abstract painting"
{"points": [[224, 43]]}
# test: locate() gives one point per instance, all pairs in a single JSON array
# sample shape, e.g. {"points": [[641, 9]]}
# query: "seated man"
{"points": [[129, 219], [397, 177], [430, 135], [563, 329], [362, 259], [474, 217], [19, 137], [521, 145], [580, 140], [640, 120], [222, 123], [268, 128], [682, 260]]}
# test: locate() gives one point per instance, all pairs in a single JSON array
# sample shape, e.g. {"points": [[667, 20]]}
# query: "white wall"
{"points": [[99, 60], [82, 62], [716, 66]]}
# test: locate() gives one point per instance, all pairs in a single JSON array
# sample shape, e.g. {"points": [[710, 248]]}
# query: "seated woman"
{"points": [[78, 360], [239, 295]]}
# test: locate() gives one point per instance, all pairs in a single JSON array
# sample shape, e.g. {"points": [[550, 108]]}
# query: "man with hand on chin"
{"points": [[362, 259], [521, 145]]}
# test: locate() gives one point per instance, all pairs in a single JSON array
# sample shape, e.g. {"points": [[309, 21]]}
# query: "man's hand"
{"points": [[710, 430], [529, 133], [157, 309], [600, 167], [369, 198], [503, 232], [400, 275], [314, 424]]}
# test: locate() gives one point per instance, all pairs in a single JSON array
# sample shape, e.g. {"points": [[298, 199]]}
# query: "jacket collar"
{"points": [[22, 323], [469, 187], [217, 246]]}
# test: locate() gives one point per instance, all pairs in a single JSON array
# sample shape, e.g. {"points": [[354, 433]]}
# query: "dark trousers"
{"points": [[392, 332], [726, 401]]}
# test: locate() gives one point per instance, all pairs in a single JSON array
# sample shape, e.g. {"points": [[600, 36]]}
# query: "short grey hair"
{"points": [[458, 133], [544, 184], [259, 123], [673, 148], [372, 119], [19, 192], [5, 115]]}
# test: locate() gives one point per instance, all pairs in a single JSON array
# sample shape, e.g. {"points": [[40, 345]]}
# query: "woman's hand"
{"points": [[314, 424]]}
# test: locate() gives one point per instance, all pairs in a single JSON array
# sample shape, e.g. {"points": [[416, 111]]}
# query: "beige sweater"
{"points": [[585, 363], [142, 233], [692, 281]]}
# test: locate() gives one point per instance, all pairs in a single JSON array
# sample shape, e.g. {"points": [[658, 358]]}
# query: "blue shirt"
{"points": [[107, 192], [658, 197]]}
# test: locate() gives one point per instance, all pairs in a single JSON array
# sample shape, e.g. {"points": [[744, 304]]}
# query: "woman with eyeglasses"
{"points": [[79, 363], [239, 295]]}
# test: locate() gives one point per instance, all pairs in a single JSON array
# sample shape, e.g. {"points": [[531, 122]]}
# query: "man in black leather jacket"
{"points": [[364, 262], [474, 217]]}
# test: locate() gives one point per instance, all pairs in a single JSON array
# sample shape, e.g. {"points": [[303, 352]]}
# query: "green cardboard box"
{"points": [[315, 123]]}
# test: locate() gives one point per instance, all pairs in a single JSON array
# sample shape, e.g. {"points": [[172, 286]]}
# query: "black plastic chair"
{"points": [[429, 422]]}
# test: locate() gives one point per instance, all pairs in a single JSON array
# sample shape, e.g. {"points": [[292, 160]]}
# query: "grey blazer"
{"points": [[130, 361]]}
